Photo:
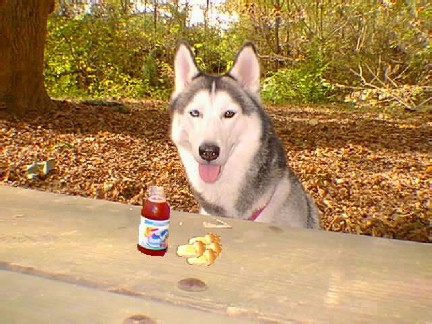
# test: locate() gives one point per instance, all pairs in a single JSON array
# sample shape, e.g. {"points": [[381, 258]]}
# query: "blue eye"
{"points": [[194, 113], [229, 114]]}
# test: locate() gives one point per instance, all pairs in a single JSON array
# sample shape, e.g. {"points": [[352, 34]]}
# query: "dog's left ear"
{"points": [[185, 68], [246, 68]]}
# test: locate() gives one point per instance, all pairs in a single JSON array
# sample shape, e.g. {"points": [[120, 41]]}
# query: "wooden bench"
{"points": [[72, 259]]}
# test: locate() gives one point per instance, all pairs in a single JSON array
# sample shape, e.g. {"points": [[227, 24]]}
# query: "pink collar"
{"points": [[256, 213]]}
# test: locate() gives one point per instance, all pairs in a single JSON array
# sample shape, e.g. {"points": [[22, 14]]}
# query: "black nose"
{"points": [[209, 152]]}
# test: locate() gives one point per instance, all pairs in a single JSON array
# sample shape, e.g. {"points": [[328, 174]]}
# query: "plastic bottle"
{"points": [[154, 226]]}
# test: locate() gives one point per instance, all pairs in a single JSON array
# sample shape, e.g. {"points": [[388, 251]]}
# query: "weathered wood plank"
{"points": [[30, 299], [263, 273]]}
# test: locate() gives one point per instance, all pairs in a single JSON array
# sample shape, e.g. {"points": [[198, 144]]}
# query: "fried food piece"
{"points": [[195, 249], [208, 258], [215, 247], [201, 250], [207, 239]]}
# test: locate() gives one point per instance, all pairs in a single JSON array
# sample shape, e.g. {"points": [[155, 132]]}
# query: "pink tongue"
{"points": [[209, 172]]}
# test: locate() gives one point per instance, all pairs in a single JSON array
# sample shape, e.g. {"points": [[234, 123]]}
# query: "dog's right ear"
{"points": [[185, 67]]}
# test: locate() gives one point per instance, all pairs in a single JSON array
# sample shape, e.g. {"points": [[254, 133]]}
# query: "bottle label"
{"points": [[153, 234]]}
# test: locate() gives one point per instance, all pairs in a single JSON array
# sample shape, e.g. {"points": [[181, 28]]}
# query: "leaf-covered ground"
{"points": [[369, 172]]}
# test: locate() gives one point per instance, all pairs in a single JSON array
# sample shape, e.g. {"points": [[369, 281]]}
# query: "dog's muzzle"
{"points": [[208, 171], [209, 152]]}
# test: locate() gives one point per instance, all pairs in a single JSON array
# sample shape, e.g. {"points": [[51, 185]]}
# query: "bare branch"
{"points": [[407, 104]]}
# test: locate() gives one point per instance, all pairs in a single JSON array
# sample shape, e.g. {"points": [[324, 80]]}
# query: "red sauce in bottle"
{"points": [[154, 226]]}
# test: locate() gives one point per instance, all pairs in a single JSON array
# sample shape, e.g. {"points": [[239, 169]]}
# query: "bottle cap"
{"points": [[157, 193]]}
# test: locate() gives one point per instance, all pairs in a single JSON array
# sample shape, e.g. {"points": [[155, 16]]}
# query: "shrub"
{"points": [[299, 85]]}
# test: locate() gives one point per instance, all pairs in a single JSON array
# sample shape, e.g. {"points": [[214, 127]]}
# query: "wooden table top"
{"points": [[74, 259]]}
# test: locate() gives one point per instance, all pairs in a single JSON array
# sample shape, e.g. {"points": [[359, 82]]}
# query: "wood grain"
{"points": [[265, 273]]}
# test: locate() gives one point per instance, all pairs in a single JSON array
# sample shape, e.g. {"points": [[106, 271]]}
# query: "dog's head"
{"points": [[211, 113]]}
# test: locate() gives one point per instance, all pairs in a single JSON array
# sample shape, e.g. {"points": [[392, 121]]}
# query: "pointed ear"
{"points": [[185, 67], [246, 68]]}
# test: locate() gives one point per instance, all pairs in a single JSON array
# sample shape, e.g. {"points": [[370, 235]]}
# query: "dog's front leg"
{"points": [[203, 212]]}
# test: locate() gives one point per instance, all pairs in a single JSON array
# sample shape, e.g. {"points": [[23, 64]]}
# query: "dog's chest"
{"points": [[224, 193]]}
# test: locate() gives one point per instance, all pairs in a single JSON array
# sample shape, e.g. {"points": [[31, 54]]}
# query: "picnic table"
{"points": [[73, 259]]}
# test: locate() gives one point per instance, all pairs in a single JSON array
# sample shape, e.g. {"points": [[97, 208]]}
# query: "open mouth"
{"points": [[209, 172]]}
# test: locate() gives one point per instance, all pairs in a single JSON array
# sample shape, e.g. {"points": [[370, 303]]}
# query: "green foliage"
{"points": [[115, 51], [296, 86], [113, 57], [304, 84], [367, 44], [113, 54]]}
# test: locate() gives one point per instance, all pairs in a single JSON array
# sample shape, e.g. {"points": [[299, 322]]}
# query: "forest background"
{"points": [[363, 52]]}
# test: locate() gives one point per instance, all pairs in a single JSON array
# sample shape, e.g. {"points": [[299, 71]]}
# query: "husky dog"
{"points": [[234, 162]]}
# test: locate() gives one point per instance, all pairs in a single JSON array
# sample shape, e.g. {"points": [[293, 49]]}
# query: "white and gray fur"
{"points": [[254, 171]]}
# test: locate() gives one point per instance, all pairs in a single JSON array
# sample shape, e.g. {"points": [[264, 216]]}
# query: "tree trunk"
{"points": [[277, 8], [155, 14], [23, 29]]}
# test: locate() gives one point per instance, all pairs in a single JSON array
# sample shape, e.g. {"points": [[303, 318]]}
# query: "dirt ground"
{"points": [[369, 171]]}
